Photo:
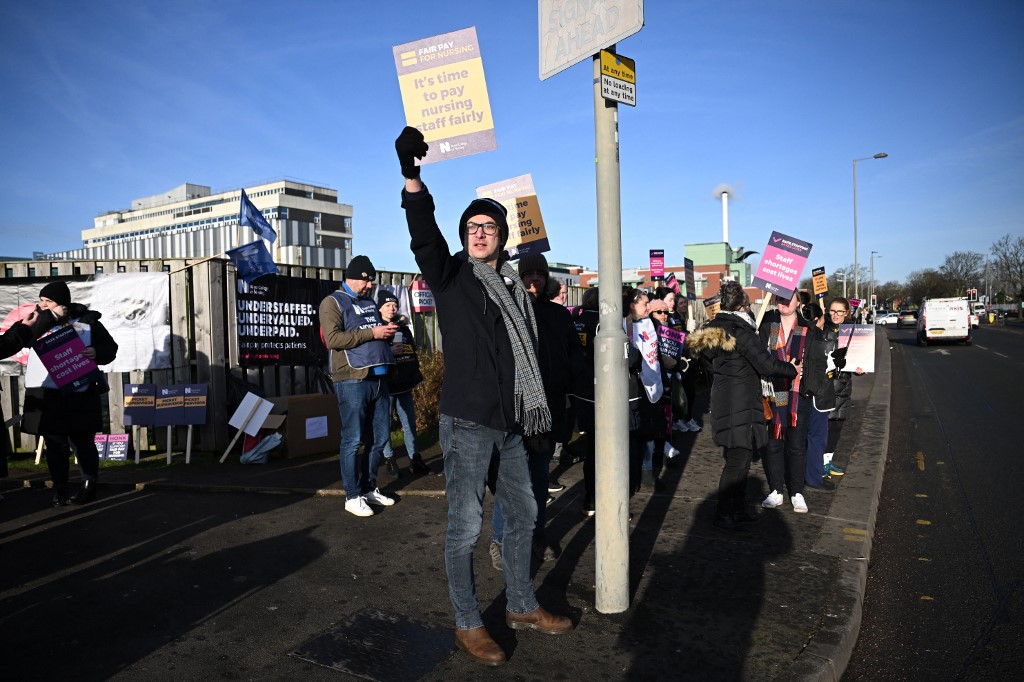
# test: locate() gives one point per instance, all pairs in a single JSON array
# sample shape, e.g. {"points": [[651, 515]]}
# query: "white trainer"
{"points": [[358, 507], [693, 425], [670, 451], [680, 425], [799, 505], [774, 500], [375, 496]]}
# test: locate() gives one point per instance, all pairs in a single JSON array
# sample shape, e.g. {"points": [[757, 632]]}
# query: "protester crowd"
{"points": [[518, 384]]}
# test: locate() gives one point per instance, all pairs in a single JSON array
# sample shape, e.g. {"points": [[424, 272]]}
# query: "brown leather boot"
{"points": [[479, 645], [539, 620]]}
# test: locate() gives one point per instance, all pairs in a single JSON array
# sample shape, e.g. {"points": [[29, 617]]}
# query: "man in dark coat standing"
{"points": [[492, 396]]}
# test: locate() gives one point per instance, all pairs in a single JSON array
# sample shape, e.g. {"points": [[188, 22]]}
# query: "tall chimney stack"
{"points": [[725, 217]]}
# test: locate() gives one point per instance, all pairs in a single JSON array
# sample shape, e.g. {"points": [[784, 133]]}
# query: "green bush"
{"points": [[428, 394]]}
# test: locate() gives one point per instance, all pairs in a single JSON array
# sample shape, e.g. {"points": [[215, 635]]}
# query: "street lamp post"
{"points": [[856, 273], [873, 254]]}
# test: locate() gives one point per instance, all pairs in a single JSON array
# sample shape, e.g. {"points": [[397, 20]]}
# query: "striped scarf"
{"points": [[517, 312], [786, 401]]}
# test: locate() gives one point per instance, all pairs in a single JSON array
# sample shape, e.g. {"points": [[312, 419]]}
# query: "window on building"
{"points": [[143, 268], [31, 272], [166, 268], [8, 272], [78, 270], [120, 268], [99, 269], [53, 272]]}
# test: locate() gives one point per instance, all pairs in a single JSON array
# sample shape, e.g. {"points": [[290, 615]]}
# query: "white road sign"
{"points": [[570, 31]]}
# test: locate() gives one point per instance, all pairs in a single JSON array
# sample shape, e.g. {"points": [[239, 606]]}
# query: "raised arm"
{"points": [[427, 243]]}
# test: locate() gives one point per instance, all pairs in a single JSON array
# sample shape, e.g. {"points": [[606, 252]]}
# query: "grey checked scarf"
{"points": [[517, 311]]}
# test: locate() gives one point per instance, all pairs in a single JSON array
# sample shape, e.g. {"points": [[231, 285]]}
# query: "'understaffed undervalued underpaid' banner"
{"points": [[526, 233], [278, 321], [445, 94]]}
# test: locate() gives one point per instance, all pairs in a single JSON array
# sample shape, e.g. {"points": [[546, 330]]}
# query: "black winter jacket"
{"points": [[479, 370], [49, 412], [738, 360], [842, 382], [405, 375], [560, 359]]}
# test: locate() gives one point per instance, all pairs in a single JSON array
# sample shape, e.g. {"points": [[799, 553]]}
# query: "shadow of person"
{"points": [[118, 581], [700, 600]]}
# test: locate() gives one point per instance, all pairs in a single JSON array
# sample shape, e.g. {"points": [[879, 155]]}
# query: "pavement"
{"points": [[783, 602]]}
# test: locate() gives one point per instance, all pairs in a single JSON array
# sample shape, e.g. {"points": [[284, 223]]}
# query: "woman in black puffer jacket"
{"points": [[71, 418], [738, 359]]}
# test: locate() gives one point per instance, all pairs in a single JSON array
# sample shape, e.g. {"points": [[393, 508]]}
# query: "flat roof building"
{"points": [[189, 221]]}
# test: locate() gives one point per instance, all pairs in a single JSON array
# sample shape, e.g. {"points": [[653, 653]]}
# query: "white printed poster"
{"points": [[134, 308]]}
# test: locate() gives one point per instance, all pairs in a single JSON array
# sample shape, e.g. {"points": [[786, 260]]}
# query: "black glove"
{"points": [[410, 146]]}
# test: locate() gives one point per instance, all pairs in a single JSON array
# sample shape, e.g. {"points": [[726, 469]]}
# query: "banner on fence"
{"points": [[278, 321], [135, 309]]}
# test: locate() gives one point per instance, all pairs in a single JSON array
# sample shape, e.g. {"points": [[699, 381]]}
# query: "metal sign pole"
{"points": [[611, 403]]}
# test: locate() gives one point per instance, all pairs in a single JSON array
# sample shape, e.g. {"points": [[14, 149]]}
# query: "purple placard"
{"points": [[100, 439], [780, 268], [63, 355], [117, 446], [657, 265], [671, 342]]}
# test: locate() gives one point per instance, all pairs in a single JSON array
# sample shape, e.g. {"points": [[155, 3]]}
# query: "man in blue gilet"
{"points": [[360, 353]]}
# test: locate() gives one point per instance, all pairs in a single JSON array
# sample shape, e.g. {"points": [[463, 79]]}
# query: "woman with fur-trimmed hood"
{"points": [[738, 360]]}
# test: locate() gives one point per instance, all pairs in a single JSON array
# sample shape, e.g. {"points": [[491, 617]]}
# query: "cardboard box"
{"points": [[311, 423]]}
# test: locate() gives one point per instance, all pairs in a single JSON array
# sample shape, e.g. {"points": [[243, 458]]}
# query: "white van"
{"points": [[944, 318]]}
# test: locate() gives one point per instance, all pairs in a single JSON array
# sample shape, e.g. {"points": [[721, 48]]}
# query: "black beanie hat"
{"points": [[57, 292], [360, 267], [490, 208], [534, 262], [384, 296]]}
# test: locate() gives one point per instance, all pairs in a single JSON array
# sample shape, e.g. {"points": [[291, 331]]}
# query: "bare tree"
{"points": [[927, 283], [1008, 263], [962, 270]]}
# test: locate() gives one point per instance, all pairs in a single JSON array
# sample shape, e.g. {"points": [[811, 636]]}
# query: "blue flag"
{"points": [[251, 216], [252, 261]]}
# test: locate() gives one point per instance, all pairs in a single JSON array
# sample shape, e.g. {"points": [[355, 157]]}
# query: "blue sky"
{"points": [[108, 101]]}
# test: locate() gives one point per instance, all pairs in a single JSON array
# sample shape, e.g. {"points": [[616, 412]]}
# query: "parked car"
{"points": [[887, 319], [907, 318]]}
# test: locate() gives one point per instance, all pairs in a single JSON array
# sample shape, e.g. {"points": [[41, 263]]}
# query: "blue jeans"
{"points": [[817, 439], [357, 400], [403, 404], [468, 448], [540, 473]]}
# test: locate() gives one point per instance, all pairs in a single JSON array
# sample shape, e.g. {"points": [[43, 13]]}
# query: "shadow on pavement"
{"points": [[130, 581]]}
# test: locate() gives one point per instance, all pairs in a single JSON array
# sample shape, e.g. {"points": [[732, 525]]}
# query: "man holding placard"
{"points": [[492, 396]]}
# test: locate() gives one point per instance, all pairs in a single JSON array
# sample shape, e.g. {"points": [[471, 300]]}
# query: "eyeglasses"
{"points": [[489, 229], [659, 312], [837, 312]]}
